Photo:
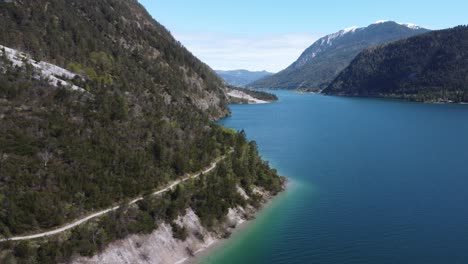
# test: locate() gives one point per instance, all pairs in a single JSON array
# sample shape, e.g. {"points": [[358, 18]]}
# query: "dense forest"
{"points": [[143, 121], [429, 67], [328, 56], [210, 196]]}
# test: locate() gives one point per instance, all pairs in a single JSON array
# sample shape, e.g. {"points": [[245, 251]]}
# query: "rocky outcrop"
{"points": [[161, 246], [237, 94], [158, 247]]}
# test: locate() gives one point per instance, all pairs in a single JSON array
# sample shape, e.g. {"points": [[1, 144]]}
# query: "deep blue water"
{"points": [[372, 181]]}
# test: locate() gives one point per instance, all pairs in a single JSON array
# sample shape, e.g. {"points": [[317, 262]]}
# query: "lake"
{"points": [[371, 181]]}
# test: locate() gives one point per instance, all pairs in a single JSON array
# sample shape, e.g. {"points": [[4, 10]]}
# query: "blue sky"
{"points": [[270, 35]]}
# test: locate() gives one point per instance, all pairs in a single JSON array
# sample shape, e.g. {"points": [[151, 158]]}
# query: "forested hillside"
{"points": [[142, 121], [429, 67], [327, 57], [116, 44]]}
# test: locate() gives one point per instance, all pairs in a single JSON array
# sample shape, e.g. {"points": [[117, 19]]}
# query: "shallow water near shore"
{"points": [[372, 181]]}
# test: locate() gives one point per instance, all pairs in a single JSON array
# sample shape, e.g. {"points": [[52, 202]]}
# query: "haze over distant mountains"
{"points": [[430, 67], [328, 56], [242, 77]]}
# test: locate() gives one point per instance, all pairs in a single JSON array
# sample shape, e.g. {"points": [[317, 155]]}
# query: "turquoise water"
{"points": [[372, 181]]}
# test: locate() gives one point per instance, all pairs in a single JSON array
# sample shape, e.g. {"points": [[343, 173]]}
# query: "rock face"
{"points": [[328, 56], [53, 73], [245, 97], [158, 247], [161, 247]]}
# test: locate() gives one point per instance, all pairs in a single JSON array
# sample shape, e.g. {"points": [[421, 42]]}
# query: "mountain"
{"points": [[100, 105], [109, 31], [429, 67], [242, 77], [328, 56]]}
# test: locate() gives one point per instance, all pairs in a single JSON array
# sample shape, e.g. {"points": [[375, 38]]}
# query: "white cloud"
{"points": [[268, 52]]}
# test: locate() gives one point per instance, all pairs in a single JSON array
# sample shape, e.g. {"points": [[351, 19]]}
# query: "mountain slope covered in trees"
{"points": [[142, 120], [328, 56], [429, 67]]}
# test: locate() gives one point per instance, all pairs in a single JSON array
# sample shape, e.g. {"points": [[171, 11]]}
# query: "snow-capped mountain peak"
{"points": [[350, 29], [408, 25], [329, 38], [344, 36], [381, 21]]}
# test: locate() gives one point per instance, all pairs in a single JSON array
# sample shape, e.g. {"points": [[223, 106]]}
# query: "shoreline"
{"points": [[218, 244], [392, 98], [241, 227]]}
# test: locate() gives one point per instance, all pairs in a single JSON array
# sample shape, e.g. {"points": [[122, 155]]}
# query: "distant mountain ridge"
{"points": [[242, 77], [327, 57], [429, 67]]}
